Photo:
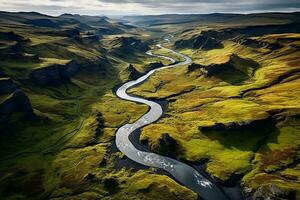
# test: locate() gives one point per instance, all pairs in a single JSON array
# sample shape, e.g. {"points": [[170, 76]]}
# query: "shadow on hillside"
{"points": [[250, 137]]}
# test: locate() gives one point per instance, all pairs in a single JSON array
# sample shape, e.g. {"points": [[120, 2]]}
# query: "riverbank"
{"points": [[185, 174]]}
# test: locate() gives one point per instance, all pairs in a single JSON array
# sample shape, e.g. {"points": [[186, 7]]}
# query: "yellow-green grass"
{"points": [[67, 170], [56, 153], [211, 100], [166, 52]]}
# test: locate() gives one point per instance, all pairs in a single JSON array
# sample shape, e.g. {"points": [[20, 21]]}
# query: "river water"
{"points": [[182, 172]]}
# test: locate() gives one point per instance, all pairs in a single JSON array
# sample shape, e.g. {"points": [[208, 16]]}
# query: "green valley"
{"points": [[232, 114]]}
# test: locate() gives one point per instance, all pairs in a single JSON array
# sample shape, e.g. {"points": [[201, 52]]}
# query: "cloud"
{"points": [[145, 7]]}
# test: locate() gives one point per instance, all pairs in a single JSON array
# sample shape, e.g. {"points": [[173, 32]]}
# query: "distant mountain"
{"points": [[95, 20], [102, 24], [35, 19], [218, 18]]}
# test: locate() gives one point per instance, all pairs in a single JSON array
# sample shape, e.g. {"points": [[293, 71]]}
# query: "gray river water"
{"points": [[182, 172]]}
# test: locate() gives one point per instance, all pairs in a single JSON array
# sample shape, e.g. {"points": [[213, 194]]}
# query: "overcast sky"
{"points": [[146, 7]]}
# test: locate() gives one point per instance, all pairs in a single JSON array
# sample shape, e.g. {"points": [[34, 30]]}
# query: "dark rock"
{"points": [[199, 42], [165, 145], [206, 43], [155, 65], [54, 74], [100, 124], [194, 66], [130, 44], [234, 71], [17, 102], [133, 72], [272, 192], [258, 44], [51, 75], [7, 86], [92, 38]]}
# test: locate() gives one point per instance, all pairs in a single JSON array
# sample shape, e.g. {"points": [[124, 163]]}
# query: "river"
{"points": [[183, 173]]}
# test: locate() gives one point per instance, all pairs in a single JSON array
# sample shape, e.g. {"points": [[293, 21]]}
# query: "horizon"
{"points": [[152, 7], [132, 15]]}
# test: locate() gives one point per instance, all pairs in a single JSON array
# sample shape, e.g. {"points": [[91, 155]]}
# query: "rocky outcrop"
{"points": [[54, 74], [194, 66], [100, 124], [133, 72], [91, 39], [199, 42], [16, 102], [234, 62], [258, 44], [51, 75], [235, 70], [155, 65], [129, 44], [165, 145], [7, 86], [272, 192]]}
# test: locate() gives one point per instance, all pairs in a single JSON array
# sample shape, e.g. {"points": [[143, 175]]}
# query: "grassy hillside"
{"points": [[57, 121], [234, 111], [235, 108]]}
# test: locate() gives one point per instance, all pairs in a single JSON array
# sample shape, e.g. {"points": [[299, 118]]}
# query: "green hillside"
{"points": [[233, 112]]}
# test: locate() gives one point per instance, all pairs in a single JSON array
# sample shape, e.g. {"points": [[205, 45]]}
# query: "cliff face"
{"points": [[16, 102], [165, 145], [129, 45], [54, 74], [235, 70], [12, 100], [133, 72], [155, 65], [258, 44], [199, 42]]}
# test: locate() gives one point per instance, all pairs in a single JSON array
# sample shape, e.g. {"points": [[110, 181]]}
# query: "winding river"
{"points": [[182, 172]]}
